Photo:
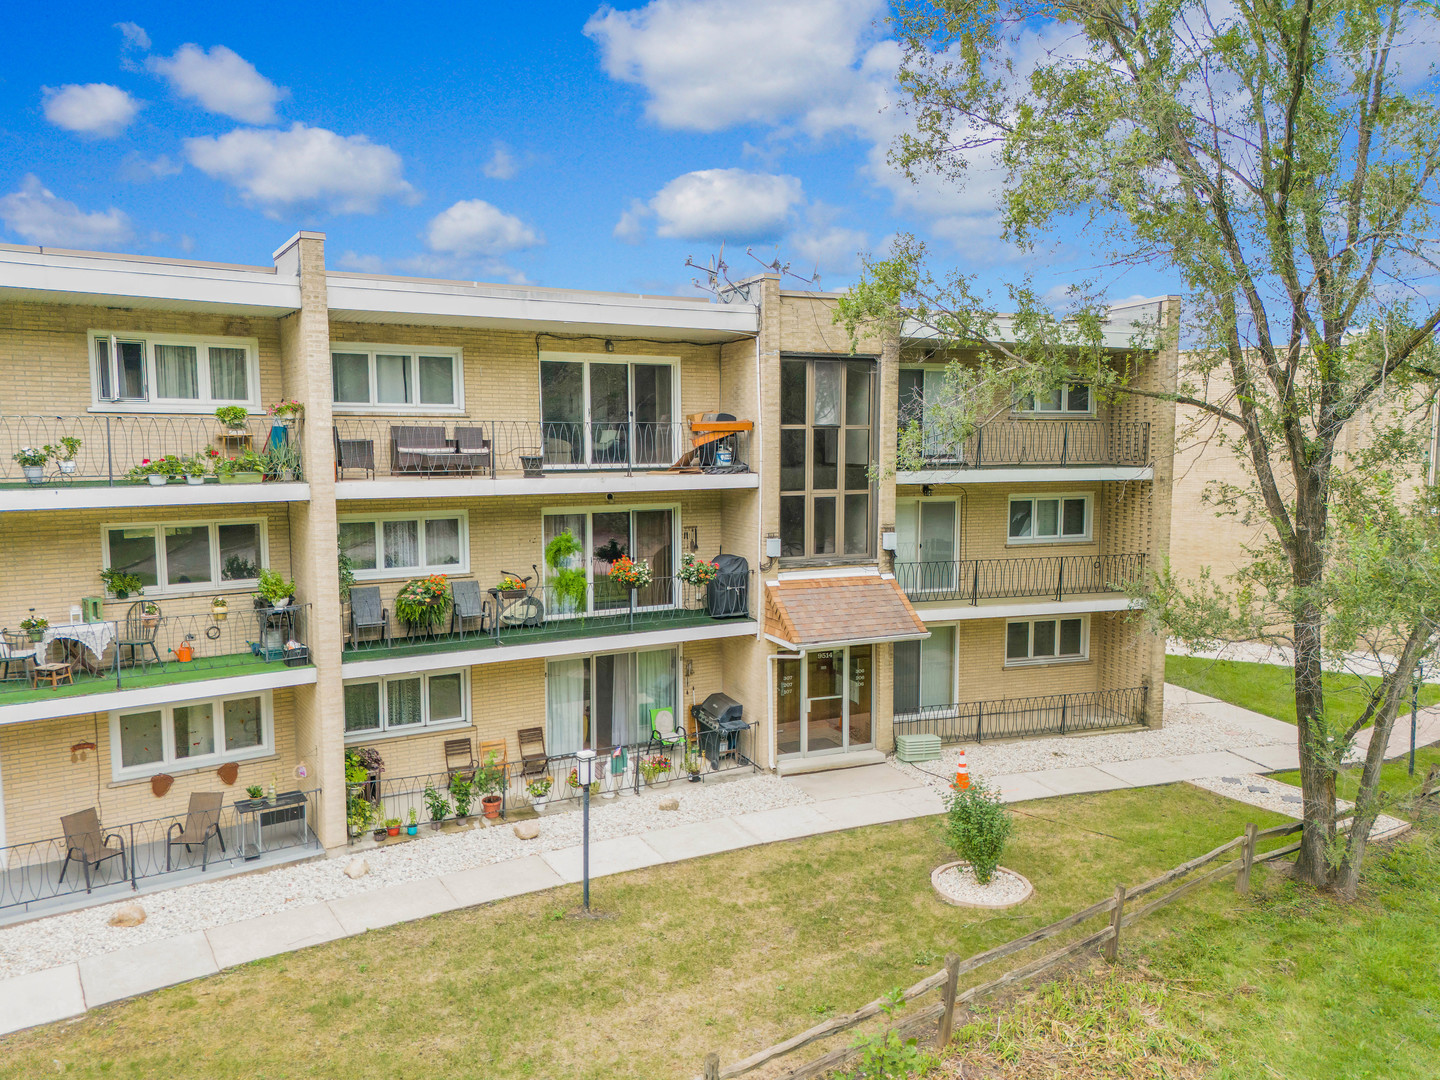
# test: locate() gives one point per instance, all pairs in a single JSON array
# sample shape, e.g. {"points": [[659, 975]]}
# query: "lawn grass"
{"points": [[1287, 984], [1395, 781], [1270, 688], [728, 953]]}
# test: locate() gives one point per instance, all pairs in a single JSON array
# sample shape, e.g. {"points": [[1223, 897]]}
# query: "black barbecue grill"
{"points": [[719, 719]]}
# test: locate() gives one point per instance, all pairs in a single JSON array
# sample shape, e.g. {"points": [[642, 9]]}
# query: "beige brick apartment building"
{"points": [[458, 429]]}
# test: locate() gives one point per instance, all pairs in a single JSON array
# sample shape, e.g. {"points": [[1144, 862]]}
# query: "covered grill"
{"points": [[719, 719], [728, 593]]}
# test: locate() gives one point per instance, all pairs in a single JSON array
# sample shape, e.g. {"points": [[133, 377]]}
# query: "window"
{"points": [[1049, 517], [397, 546], [396, 378], [826, 450], [604, 537], [1073, 397], [399, 703], [925, 671], [1035, 641], [608, 409], [190, 734], [599, 702], [193, 374], [189, 556]]}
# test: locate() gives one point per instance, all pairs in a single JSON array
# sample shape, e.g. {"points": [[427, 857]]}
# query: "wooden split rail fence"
{"points": [[1119, 907]]}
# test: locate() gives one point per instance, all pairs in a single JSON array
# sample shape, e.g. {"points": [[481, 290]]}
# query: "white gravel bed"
{"points": [[61, 939], [1269, 794], [960, 884], [1186, 731]]}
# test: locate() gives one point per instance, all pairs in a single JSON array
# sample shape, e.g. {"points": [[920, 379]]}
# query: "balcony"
{"points": [[112, 662], [1012, 718], [89, 461], [382, 458], [1011, 451], [1049, 577], [524, 623]]}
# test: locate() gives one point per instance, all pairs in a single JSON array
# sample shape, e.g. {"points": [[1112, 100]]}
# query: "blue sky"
{"points": [[570, 145]]}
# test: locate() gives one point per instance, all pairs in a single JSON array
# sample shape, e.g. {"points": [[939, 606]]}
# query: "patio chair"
{"points": [[472, 449], [420, 450], [17, 653], [367, 614], [137, 634], [666, 731], [467, 603], [201, 825], [534, 760], [86, 844], [460, 759], [353, 454]]}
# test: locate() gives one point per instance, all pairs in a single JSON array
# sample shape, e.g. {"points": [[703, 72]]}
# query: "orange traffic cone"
{"points": [[962, 774]]}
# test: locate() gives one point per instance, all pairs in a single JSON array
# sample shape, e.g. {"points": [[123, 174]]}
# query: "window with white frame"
{"points": [[1074, 398], [1039, 518], [178, 371], [190, 734], [401, 703], [395, 545], [396, 377], [1039, 641], [188, 556]]}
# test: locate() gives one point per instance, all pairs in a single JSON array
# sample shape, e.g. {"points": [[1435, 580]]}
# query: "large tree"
{"points": [[1280, 162]]}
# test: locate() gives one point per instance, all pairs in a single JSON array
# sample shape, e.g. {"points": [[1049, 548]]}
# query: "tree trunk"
{"points": [[1317, 776]]}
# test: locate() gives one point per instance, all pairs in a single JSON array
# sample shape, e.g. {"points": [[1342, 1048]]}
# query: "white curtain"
{"points": [[392, 374], [402, 544], [565, 705], [362, 707], [656, 670], [175, 371], [402, 702], [827, 392], [227, 374], [622, 703]]}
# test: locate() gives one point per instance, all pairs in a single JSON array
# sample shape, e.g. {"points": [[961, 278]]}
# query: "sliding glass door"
{"points": [[607, 536], [607, 413], [926, 552], [607, 700]]}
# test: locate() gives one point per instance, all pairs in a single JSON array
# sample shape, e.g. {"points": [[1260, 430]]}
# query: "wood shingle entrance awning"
{"points": [[825, 612]]}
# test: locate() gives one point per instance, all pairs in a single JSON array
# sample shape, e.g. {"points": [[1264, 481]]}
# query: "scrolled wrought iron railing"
{"points": [[1009, 718], [1039, 442], [1055, 576]]}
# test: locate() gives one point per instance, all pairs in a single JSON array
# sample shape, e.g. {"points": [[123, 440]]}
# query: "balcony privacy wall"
{"points": [[42, 783]]}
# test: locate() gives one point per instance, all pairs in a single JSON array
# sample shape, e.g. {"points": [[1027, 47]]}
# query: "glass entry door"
{"points": [[824, 702]]}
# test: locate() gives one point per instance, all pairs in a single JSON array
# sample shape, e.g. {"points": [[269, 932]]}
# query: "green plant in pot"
{"points": [[64, 454], [247, 467], [490, 782], [35, 625], [392, 826], [462, 791], [233, 417], [121, 583], [255, 791], [436, 805], [413, 823], [32, 462], [539, 791], [274, 589], [565, 577], [424, 603]]}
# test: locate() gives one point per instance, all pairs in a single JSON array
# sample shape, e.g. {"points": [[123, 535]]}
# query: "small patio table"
{"points": [[258, 808], [95, 638]]}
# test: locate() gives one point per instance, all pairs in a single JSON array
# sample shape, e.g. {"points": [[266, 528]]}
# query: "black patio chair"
{"points": [[366, 614], [353, 454], [468, 603]]}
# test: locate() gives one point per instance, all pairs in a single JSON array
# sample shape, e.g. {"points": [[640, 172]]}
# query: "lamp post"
{"points": [[585, 773]]}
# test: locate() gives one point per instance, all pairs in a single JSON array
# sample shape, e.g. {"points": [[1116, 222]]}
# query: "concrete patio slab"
{"points": [[1270, 758], [270, 935], [397, 903], [843, 783], [784, 823], [41, 997], [698, 838], [1077, 780], [616, 856], [142, 968], [485, 884]]}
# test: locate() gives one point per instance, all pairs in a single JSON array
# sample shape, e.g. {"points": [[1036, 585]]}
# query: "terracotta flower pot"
{"points": [[392, 830], [490, 804]]}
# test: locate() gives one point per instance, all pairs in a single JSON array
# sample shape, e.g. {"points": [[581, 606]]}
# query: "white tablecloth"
{"points": [[95, 636]]}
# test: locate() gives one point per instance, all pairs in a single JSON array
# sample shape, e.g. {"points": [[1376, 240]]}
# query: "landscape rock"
{"points": [[671, 803], [128, 915], [527, 830], [356, 868]]}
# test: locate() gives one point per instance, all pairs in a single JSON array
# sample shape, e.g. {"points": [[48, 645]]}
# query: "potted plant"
{"points": [[653, 767], [149, 613], [65, 454], [35, 626], [462, 791], [423, 603], [692, 765], [629, 573], [437, 806], [219, 609], [490, 781], [510, 588], [233, 417], [120, 583], [392, 826], [255, 791], [358, 814], [565, 578], [576, 787], [697, 573], [274, 589], [32, 463], [539, 791], [198, 465], [157, 472], [413, 825], [281, 463], [247, 467], [287, 410]]}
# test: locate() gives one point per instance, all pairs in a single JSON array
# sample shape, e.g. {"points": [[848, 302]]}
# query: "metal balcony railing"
{"points": [[1054, 576], [1009, 718], [1039, 442]]}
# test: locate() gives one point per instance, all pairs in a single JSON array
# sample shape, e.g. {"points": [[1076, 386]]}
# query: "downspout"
{"points": [[770, 701], [757, 455]]}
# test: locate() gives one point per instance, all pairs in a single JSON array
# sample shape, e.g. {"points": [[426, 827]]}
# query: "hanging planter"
{"points": [[424, 603], [160, 784]]}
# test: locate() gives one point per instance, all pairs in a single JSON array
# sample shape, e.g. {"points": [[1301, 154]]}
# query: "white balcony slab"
{"points": [[1028, 474], [271, 935], [41, 997], [76, 497], [552, 483], [138, 970], [946, 611]]}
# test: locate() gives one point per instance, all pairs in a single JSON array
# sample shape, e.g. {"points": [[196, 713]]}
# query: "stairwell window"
{"points": [[1046, 641], [181, 373], [1049, 518]]}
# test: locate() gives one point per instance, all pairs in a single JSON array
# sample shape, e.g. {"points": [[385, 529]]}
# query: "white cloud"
{"points": [[362, 264], [304, 166], [90, 109], [502, 164], [140, 170], [630, 229], [719, 203], [777, 60], [475, 227], [822, 244], [134, 35], [37, 215], [221, 81]]}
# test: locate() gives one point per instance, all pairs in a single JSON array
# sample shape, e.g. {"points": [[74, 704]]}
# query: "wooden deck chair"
{"points": [[532, 752], [460, 759]]}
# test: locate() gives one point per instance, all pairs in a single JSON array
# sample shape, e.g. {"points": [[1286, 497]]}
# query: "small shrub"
{"points": [[977, 826], [885, 1055]]}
